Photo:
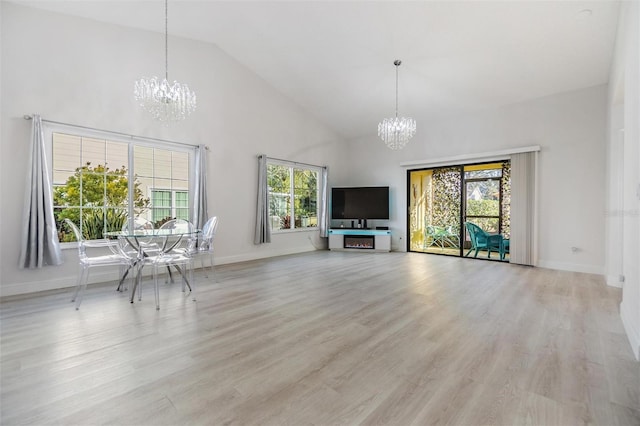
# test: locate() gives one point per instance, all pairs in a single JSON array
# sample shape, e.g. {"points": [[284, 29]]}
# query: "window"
{"points": [[98, 182], [169, 204], [293, 193]]}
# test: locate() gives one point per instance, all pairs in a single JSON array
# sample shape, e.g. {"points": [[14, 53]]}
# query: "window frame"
{"points": [[292, 165], [466, 180], [173, 199], [49, 128]]}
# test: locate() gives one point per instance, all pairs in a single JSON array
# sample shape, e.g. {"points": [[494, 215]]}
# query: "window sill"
{"points": [[293, 231]]}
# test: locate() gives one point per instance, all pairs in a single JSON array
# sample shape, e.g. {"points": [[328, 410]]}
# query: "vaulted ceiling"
{"points": [[335, 58]]}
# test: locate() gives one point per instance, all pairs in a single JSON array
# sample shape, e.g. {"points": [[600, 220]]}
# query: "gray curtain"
{"points": [[521, 248], [200, 212], [324, 205], [263, 231], [40, 245]]}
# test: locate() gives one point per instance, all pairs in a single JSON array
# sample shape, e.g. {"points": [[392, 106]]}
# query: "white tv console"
{"points": [[359, 239]]}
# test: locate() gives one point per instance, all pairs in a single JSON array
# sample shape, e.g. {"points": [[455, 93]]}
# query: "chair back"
{"points": [[139, 224], [476, 234], [179, 225], [210, 227], [82, 251], [115, 246], [208, 234]]}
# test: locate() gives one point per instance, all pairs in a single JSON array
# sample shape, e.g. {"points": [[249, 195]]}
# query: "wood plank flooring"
{"points": [[327, 338]]}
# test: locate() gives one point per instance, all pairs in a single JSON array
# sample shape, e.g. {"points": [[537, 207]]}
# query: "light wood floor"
{"points": [[328, 338]]}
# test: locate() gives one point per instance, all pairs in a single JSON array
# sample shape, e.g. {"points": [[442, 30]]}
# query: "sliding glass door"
{"points": [[435, 205], [442, 199]]}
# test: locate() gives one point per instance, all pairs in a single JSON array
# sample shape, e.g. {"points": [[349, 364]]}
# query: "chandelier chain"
{"points": [[397, 64], [165, 101]]}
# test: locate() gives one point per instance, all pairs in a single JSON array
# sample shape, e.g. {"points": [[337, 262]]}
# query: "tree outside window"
{"points": [[96, 199]]}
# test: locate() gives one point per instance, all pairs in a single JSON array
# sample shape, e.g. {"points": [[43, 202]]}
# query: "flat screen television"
{"points": [[363, 202]]}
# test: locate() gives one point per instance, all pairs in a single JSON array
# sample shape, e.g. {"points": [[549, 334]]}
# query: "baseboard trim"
{"points": [[573, 267], [15, 289], [257, 255], [613, 281], [632, 333]]}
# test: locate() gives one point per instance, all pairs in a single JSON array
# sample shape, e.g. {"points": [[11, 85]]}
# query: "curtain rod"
{"points": [[293, 162], [29, 117]]}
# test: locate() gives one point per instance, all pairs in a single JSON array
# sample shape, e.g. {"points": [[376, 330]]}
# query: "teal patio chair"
{"points": [[504, 248], [433, 236], [481, 240], [440, 236]]}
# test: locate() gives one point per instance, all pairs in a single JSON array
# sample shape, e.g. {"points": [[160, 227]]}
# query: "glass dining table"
{"points": [[147, 244]]}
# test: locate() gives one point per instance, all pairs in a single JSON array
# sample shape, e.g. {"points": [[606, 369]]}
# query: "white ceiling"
{"points": [[335, 58]]}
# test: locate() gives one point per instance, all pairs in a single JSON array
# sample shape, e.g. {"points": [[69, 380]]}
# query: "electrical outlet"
{"points": [[621, 278]]}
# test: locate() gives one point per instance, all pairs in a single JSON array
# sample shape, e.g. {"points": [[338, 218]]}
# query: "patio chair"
{"points": [[433, 236], [451, 237], [440, 236], [504, 248], [481, 240]]}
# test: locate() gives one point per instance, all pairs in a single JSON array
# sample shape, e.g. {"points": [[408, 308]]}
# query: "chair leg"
{"points": [[140, 278], [82, 286], [78, 282], [169, 275], [124, 271], [136, 280], [202, 266], [155, 284], [213, 267], [134, 272], [190, 267]]}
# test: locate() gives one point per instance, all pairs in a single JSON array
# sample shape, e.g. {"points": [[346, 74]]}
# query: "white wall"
{"points": [[571, 131], [82, 72], [623, 190]]}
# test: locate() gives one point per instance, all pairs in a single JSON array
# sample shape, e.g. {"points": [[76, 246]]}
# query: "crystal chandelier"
{"points": [[396, 132], [163, 100]]}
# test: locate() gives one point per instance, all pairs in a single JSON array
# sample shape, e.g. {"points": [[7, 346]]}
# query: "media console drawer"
{"points": [[359, 239]]}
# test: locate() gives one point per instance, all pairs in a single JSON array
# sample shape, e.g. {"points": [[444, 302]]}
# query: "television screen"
{"points": [[364, 202]]}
